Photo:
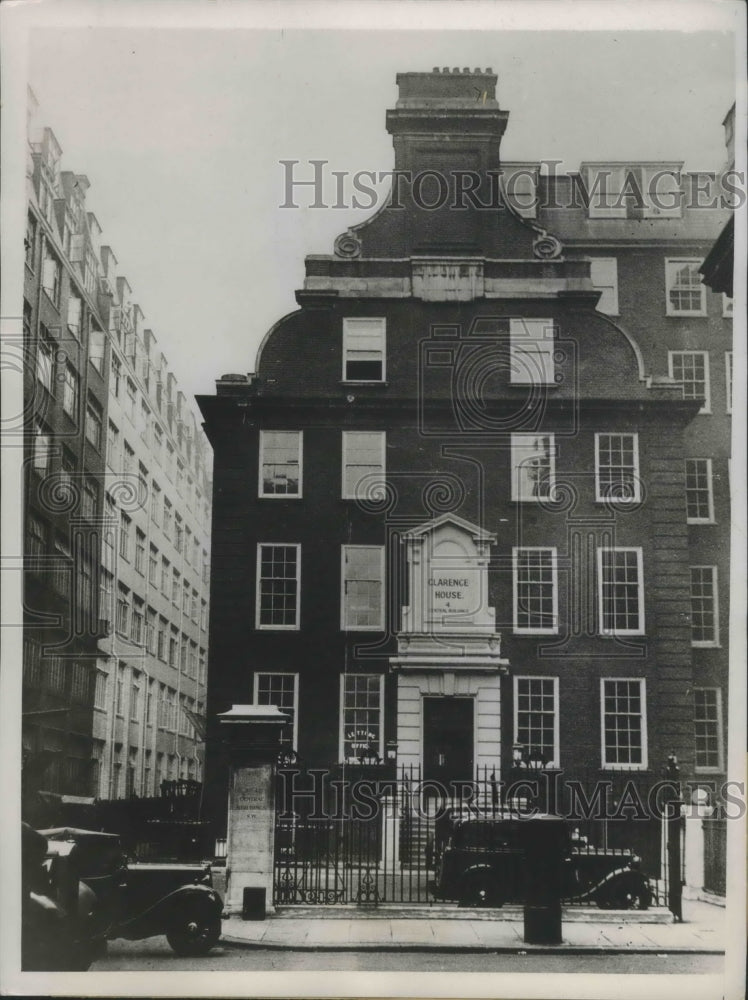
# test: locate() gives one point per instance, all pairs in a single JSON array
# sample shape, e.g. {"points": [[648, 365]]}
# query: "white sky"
{"points": [[181, 131]]}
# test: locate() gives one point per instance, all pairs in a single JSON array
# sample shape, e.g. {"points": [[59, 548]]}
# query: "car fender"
{"points": [[478, 868], [619, 877], [157, 918]]}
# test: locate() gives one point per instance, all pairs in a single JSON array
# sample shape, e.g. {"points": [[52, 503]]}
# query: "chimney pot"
{"points": [[456, 69], [489, 70], [466, 69], [477, 69], [435, 69], [446, 69]]}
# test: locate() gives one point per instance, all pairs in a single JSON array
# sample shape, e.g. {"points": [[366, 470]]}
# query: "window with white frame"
{"points": [[280, 463], [281, 690], [604, 277], [708, 735], [684, 288], [605, 185], [361, 710], [71, 392], [624, 722], [140, 550], [94, 422], [620, 591], [137, 621], [728, 381], [364, 458], [691, 369], [535, 590], [112, 445], [533, 466], [727, 306], [97, 348], [699, 494], [52, 278], [531, 345], [100, 691], [704, 606], [278, 569], [75, 309], [123, 610], [41, 448], [362, 592], [44, 363], [364, 349], [536, 718], [125, 524], [29, 243], [617, 468], [89, 498]]}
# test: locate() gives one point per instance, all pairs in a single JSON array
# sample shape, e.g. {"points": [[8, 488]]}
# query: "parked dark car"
{"points": [[139, 900], [60, 926], [480, 862]]}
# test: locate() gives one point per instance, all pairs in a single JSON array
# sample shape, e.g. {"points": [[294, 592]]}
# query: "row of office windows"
{"points": [[77, 316], [145, 627], [50, 373], [148, 702], [174, 528], [623, 718], [620, 591], [134, 775], [121, 456], [44, 672], [533, 464], [125, 778], [52, 368]]}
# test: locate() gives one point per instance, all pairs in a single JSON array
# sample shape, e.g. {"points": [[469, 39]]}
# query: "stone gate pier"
{"points": [[252, 735]]}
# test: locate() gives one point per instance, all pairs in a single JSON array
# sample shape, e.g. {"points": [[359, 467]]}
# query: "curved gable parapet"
{"points": [[593, 356], [259, 367], [478, 222], [608, 362]]}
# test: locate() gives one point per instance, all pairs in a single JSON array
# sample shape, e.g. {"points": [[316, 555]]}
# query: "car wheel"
{"points": [[626, 898], [193, 935], [479, 890]]}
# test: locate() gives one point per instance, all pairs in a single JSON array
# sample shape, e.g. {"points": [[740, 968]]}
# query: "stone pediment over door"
{"points": [[448, 617]]}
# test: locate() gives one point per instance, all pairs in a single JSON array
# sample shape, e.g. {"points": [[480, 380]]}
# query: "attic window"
{"points": [[363, 350]]}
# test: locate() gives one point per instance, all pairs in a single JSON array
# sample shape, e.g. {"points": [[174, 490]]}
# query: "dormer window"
{"points": [[605, 185], [662, 193], [364, 350]]}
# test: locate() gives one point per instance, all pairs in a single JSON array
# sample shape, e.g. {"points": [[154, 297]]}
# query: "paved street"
{"points": [[154, 955]]}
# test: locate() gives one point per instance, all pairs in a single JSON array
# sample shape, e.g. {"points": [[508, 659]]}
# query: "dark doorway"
{"points": [[448, 739]]}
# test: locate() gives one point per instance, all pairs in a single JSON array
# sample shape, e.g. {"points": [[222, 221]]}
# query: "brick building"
{"points": [[471, 508], [117, 508]]}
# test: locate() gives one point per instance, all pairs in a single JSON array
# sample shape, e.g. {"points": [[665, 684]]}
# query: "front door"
{"points": [[448, 739]]}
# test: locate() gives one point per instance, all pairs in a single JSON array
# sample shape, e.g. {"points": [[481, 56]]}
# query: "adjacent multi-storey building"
{"points": [[471, 508], [117, 504]]}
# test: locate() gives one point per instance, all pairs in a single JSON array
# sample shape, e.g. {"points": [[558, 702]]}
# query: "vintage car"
{"points": [[481, 862], [139, 900]]}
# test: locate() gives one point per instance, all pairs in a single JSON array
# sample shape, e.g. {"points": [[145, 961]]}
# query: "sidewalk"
{"points": [[450, 930]]}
